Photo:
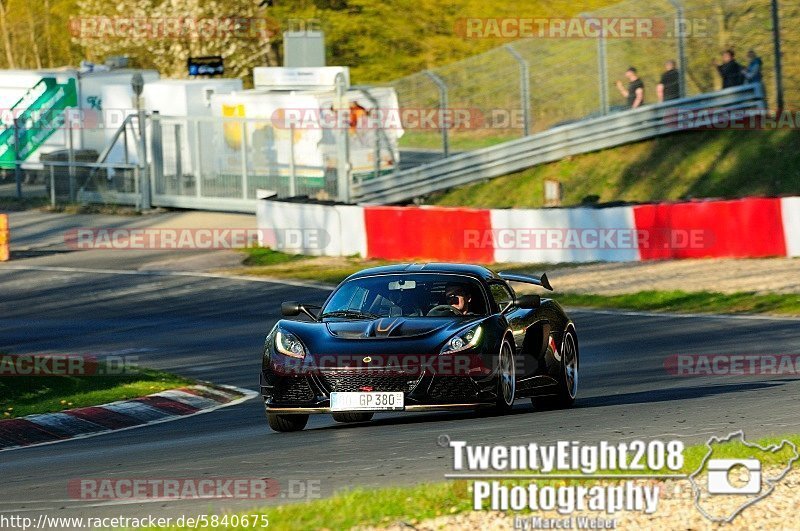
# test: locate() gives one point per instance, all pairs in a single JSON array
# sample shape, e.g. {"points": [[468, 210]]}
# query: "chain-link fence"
{"points": [[536, 83], [233, 158]]}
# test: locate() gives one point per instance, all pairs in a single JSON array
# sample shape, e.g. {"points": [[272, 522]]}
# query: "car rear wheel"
{"points": [[287, 422], [352, 416], [567, 388], [506, 379]]}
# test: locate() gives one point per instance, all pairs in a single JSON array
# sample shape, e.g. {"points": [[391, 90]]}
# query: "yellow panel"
{"points": [[233, 130]]}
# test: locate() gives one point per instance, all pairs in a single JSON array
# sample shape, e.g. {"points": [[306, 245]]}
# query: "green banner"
{"points": [[38, 114]]}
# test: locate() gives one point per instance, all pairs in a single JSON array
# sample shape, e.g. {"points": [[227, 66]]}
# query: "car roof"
{"points": [[477, 271]]}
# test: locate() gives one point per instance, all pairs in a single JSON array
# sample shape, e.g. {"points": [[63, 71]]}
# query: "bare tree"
{"points": [[6, 37]]}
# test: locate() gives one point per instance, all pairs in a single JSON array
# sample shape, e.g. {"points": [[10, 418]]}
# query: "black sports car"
{"points": [[416, 337]]}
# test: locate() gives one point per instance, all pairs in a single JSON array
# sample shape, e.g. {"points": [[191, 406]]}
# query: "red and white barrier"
{"points": [[564, 235], [790, 215], [741, 228], [400, 233], [312, 229]]}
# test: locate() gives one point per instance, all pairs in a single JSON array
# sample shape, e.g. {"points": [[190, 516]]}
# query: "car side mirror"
{"points": [[529, 302], [293, 308], [290, 308]]}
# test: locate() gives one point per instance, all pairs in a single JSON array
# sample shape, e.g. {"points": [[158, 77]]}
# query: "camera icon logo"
{"points": [[720, 471]]}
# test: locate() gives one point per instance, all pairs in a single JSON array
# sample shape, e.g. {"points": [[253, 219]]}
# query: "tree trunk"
{"points": [[6, 37], [48, 42], [34, 43]]}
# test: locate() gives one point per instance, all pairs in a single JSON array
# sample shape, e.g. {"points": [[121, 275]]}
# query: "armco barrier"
{"points": [[741, 228], [5, 238]]}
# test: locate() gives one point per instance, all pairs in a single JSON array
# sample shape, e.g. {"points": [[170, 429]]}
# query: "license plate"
{"points": [[372, 401]]}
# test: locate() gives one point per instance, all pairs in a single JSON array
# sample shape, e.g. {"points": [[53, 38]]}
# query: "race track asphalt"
{"points": [[213, 329]]}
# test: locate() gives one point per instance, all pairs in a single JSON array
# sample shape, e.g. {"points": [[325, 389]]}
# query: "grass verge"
{"points": [[266, 262], [332, 270], [260, 261], [76, 208], [727, 164], [12, 204], [362, 507], [690, 302], [28, 395]]}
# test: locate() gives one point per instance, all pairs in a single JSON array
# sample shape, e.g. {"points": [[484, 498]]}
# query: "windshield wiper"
{"points": [[350, 314]]}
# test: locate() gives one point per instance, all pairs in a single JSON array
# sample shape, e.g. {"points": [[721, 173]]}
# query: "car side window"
{"points": [[501, 294]]}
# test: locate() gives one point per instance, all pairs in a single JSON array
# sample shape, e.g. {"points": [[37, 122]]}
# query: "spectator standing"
{"points": [[730, 71], [670, 86], [635, 91], [752, 74]]}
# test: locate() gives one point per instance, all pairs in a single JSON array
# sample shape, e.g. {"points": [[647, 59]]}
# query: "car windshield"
{"points": [[407, 295]]}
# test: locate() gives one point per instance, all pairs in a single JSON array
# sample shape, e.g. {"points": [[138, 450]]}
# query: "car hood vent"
{"points": [[386, 327]]}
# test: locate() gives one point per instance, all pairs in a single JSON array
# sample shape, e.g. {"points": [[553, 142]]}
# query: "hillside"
{"points": [[691, 164]]}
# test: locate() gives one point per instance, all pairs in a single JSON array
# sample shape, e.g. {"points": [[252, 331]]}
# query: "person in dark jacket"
{"points": [[730, 71], [752, 74]]}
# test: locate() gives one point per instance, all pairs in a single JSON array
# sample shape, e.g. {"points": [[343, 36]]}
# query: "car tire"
{"points": [[506, 379], [567, 388], [284, 423], [356, 416]]}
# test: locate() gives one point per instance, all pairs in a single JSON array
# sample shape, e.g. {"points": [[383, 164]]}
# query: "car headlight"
{"points": [[288, 344], [463, 340]]}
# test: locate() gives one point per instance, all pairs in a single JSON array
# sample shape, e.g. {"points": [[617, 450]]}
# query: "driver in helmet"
{"points": [[458, 297]]}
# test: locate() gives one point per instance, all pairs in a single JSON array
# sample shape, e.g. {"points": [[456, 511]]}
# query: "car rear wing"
{"points": [[527, 279]]}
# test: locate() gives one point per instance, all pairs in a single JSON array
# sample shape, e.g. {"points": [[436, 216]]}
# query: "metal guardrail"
{"points": [[572, 139]]}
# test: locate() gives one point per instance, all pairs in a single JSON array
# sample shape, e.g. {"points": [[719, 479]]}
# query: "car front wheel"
{"points": [[285, 423], [506, 379]]}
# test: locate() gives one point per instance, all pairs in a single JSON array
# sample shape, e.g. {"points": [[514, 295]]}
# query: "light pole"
{"points": [[524, 88], [443, 105], [343, 143], [137, 84], [776, 42], [680, 29]]}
